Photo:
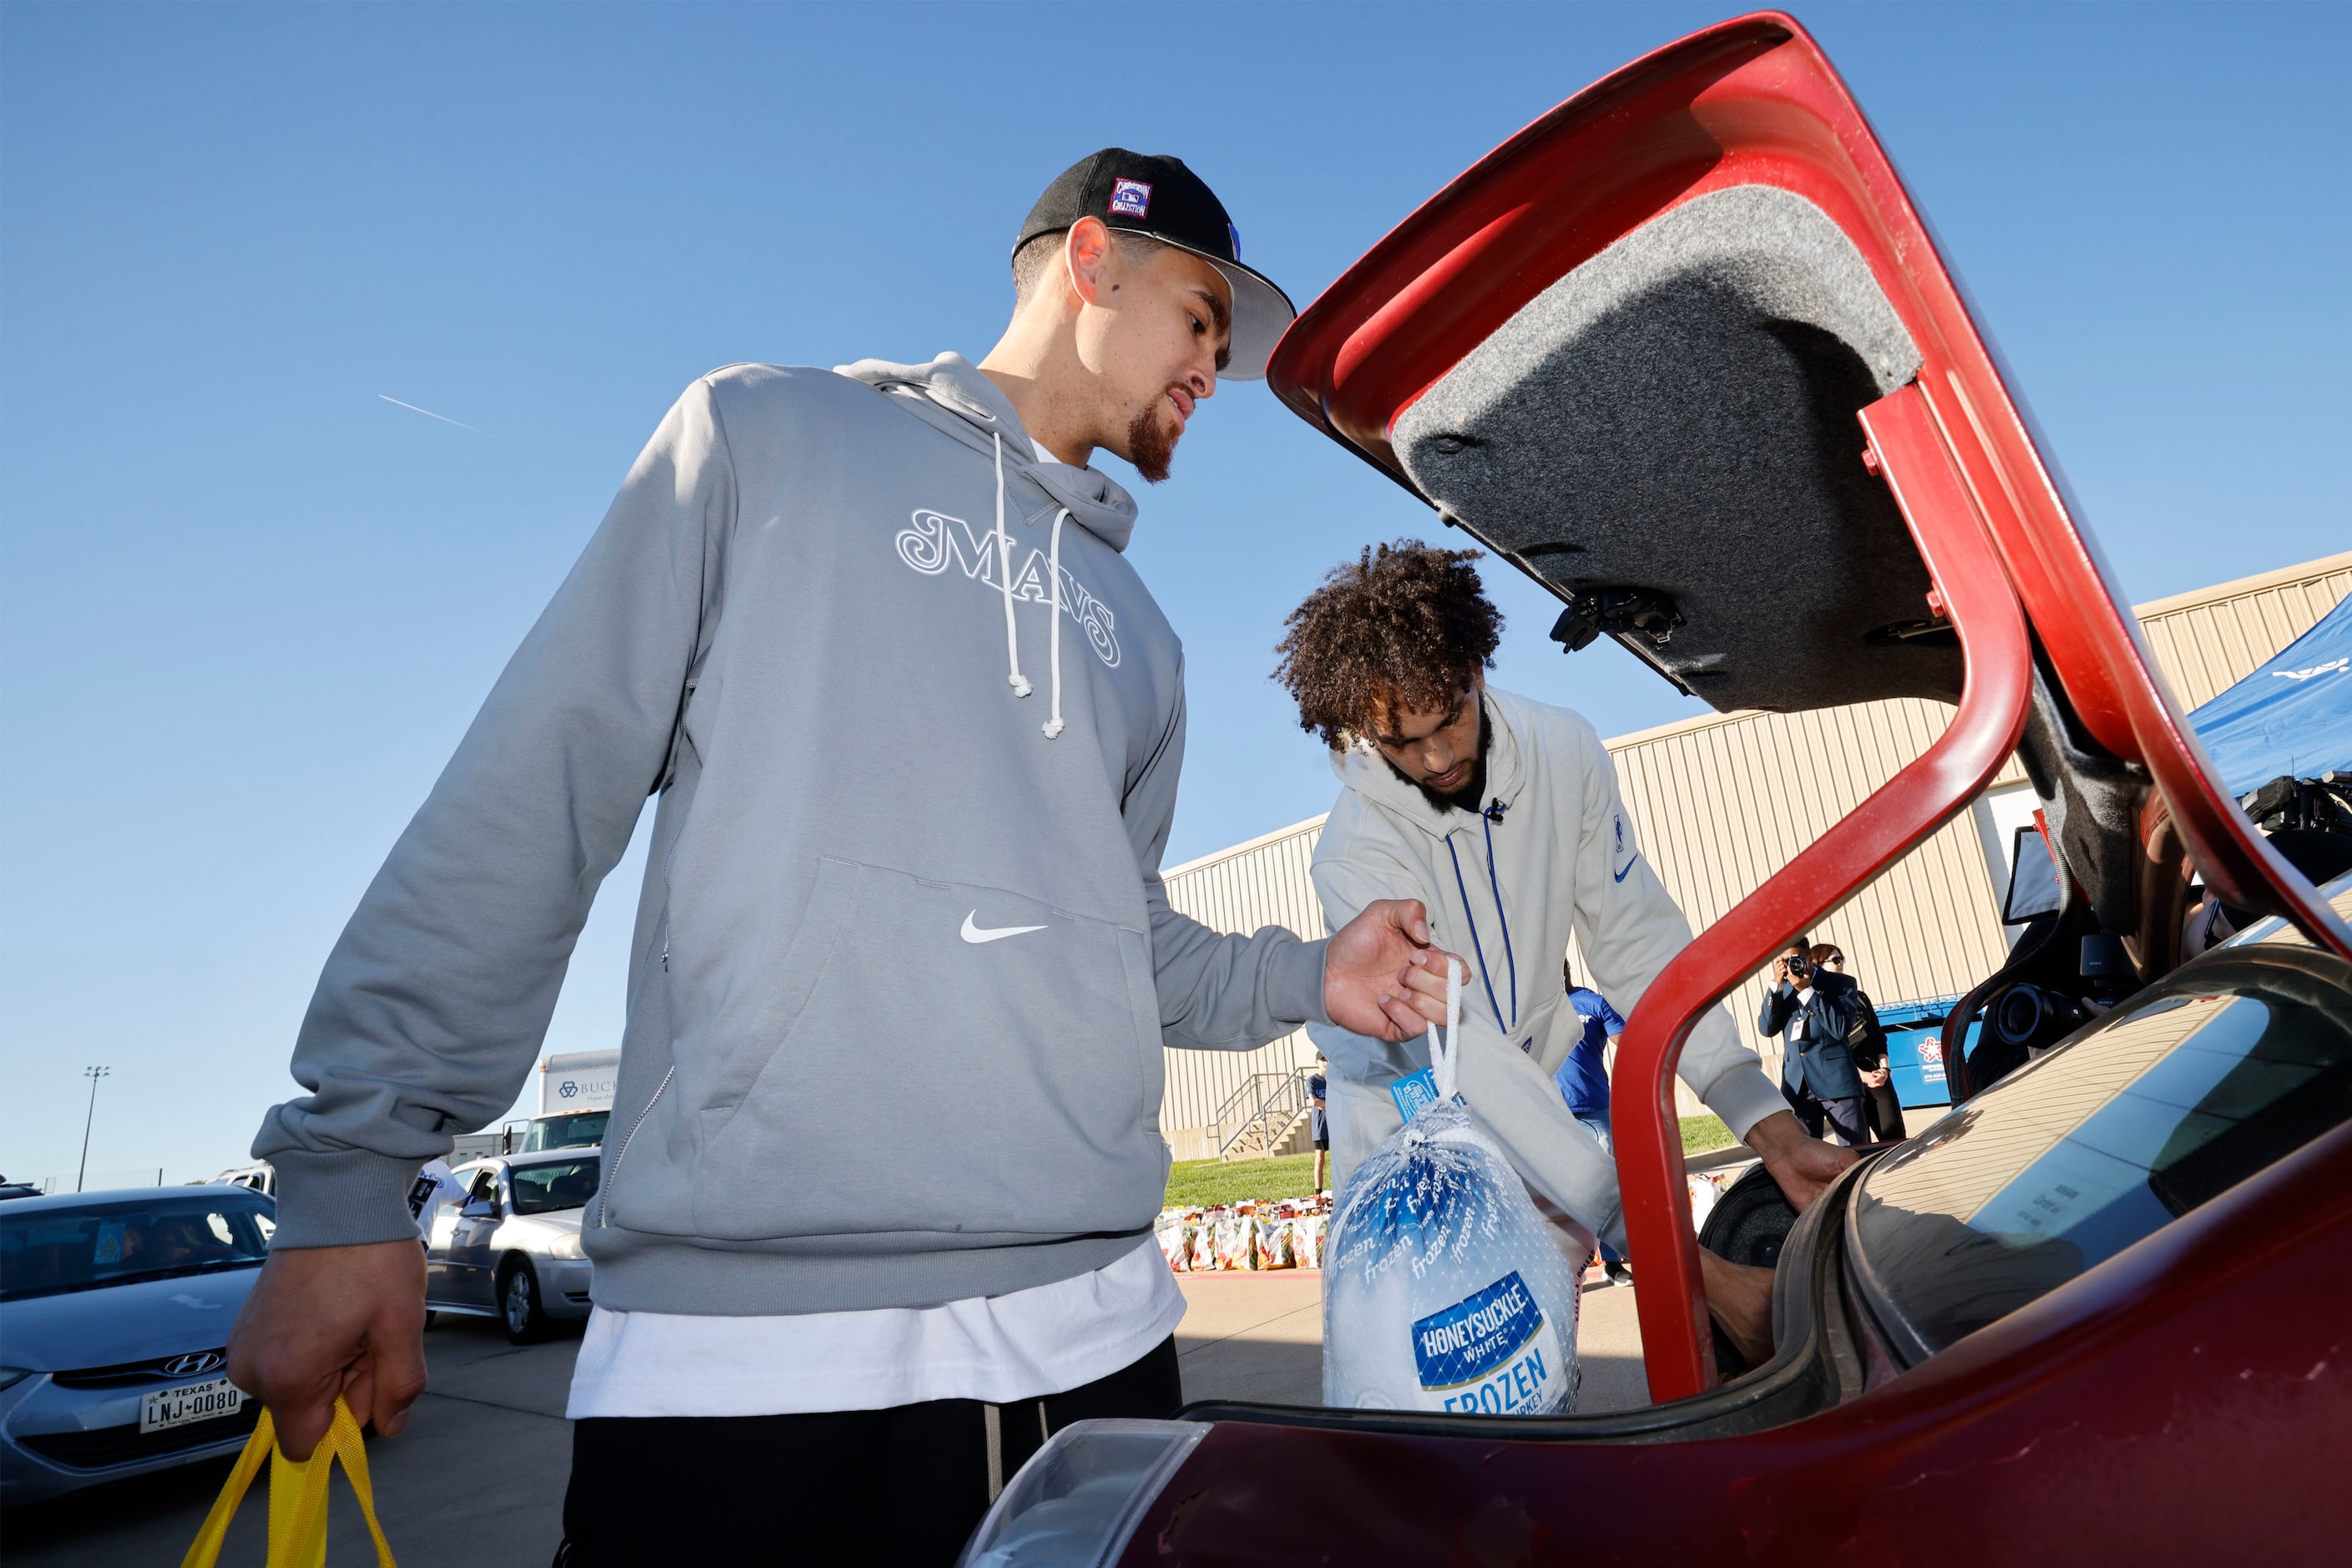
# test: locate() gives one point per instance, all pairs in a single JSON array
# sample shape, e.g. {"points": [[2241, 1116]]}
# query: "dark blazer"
{"points": [[1825, 1064], [1864, 1034]]}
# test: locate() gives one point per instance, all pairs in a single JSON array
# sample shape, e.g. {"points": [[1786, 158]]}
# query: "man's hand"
{"points": [[1803, 1166], [1380, 977], [1740, 1298], [323, 1321]]}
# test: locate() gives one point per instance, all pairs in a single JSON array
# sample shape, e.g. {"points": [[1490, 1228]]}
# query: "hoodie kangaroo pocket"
{"points": [[967, 1060]]}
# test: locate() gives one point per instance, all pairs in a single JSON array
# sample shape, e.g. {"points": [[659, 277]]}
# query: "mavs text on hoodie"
{"points": [[999, 1350], [903, 964]]}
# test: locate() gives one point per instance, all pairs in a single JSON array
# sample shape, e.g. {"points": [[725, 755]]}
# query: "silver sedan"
{"points": [[114, 1316], [511, 1247]]}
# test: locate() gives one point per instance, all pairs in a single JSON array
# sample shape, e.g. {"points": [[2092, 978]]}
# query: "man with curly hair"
{"points": [[1502, 816]]}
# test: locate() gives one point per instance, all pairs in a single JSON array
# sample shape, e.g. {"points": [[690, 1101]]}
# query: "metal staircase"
{"points": [[1261, 1116]]}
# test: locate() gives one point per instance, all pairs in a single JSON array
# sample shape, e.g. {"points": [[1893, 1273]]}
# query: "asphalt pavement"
{"points": [[476, 1478], [478, 1474]]}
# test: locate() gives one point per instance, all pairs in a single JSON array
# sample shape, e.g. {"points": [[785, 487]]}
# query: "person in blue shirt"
{"points": [[1583, 1080], [1317, 1084]]}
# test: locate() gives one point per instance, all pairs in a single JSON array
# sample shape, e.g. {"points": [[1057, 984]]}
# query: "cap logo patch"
{"points": [[1130, 198]]}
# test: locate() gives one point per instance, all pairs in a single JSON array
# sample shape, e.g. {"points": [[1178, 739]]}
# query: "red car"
{"points": [[2101, 1311]]}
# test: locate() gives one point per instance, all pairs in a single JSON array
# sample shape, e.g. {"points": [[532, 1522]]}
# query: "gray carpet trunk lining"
{"points": [[1677, 415]]}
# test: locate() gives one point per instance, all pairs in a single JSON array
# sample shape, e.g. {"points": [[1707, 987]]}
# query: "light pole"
{"points": [[93, 1074]]}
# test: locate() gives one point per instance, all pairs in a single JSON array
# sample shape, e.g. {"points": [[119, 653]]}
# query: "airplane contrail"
{"points": [[428, 412]]}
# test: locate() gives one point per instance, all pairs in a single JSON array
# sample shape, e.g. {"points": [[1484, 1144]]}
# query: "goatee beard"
{"points": [[1466, 797], [1149, 444]]}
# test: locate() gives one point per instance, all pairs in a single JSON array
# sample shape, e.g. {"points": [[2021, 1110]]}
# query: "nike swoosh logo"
{"points": [[977, 934], [1621, 876]]}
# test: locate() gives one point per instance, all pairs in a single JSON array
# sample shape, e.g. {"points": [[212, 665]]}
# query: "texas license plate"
{"points": [[169, 1408]]}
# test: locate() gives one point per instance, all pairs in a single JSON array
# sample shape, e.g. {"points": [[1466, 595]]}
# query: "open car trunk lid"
{"points": [[1682, 336]]}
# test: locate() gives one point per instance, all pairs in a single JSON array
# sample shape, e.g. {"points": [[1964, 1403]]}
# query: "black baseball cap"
{"points": [[1155, 194]]}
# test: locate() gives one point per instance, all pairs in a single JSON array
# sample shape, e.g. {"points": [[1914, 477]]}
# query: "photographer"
{"points": [[1866, 1039], [1811, 1009]]}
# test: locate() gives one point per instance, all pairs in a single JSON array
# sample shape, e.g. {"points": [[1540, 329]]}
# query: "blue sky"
{"points": [[248, 606]]}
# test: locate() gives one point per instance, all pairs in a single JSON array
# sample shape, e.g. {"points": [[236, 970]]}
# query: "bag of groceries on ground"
{"points": [[1442, 1288]]}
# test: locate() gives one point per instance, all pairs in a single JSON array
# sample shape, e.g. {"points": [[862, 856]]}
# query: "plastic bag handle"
{"points": [[298, 1496], [1441, 1057]]}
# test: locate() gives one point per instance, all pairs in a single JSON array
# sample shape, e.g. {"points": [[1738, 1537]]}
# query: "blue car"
{"points": [[114, 1316]]}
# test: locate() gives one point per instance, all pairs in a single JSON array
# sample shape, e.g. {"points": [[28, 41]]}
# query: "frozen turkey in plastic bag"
{"points": [[1442, 1288]]}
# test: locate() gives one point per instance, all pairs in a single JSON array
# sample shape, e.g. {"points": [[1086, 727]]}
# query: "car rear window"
{"points": [[2188, 1089], [53, 1250], [558, 1185], [578, 1130]]}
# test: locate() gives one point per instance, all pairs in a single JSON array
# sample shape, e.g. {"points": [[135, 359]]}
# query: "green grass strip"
{"points": [[1701, 1133], [1199, 1183]]}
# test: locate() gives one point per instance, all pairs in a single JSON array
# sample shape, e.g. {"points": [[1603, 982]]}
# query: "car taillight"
{"points": [[1076, 1502]]}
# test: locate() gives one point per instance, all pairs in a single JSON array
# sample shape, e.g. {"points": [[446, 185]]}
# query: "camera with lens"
{"points": [[2032, 1018], [1800, 967]]}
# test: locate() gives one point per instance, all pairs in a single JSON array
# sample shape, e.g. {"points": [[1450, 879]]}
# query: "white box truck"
{"points": [[581, 1081], [575, 1102]]}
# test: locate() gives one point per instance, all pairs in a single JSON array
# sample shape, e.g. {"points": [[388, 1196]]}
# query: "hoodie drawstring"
{"points": [[1013, 676], [1494, 881], [1054, 572]]}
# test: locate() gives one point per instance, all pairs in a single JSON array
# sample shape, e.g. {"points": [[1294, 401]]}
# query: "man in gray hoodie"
{"points": [[915, 725]]}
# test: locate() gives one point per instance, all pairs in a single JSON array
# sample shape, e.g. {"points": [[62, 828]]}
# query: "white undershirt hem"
{"points": [[999, 1350]]}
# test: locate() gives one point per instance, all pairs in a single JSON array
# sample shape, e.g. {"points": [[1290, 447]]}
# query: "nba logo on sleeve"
{"points": [[1130, 198], [1622, 850]]}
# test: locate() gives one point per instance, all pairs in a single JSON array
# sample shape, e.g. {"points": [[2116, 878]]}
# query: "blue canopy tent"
{"points": [[2293, 716]]}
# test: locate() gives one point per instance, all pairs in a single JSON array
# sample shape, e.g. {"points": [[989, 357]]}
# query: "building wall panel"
{"points": [[1264, 883], [2207, 642]]}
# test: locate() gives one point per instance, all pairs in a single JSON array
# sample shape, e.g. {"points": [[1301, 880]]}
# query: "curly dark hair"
{"points": [[1402, 626]]}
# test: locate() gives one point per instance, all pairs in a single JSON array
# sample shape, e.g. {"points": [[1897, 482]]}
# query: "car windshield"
{"points": [[2200, 1082], [54, 1250], [557, 1184], [580, 1130]]}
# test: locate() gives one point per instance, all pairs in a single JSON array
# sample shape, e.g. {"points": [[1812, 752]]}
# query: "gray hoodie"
{"points": [[903, 962]]}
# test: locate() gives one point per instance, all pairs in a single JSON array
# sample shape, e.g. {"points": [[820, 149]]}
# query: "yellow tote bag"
{"points": [[298, 1496]]}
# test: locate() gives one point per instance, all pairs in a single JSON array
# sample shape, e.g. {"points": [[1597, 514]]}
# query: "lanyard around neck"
{"points": [[1494, 884]]}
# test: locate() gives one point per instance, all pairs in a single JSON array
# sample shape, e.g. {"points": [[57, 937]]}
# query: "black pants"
{"points": [[902, 1488], [1885, 1112], [1845, 1113]]}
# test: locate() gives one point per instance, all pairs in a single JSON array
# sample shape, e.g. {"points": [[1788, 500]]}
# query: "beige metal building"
{"points": [[1722, 802]]}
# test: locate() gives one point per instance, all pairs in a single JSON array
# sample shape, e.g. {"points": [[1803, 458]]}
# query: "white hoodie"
{"points": [[1506, 895]]}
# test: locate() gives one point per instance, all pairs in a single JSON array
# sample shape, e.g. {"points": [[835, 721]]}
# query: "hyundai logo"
{"points": [[193, 1362]]}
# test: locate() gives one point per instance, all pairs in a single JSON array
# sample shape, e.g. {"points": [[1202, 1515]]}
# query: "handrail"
{"points": [[1973, 589], [1285, 1100], [1248, 1087]]}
